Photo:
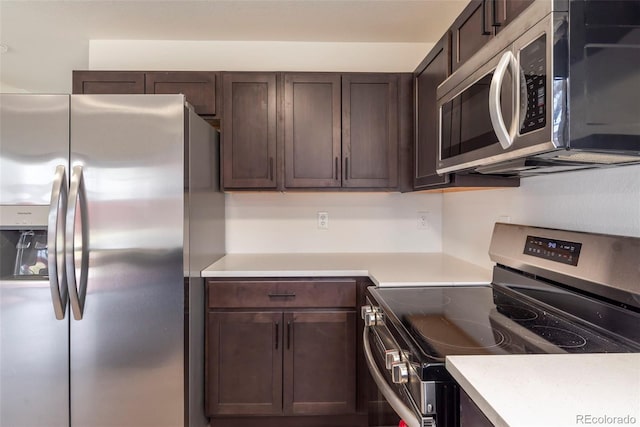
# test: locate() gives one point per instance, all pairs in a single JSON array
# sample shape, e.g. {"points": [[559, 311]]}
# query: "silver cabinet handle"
{"points": [[396, 403], [505, 136], [77, 197], [57, 276]]}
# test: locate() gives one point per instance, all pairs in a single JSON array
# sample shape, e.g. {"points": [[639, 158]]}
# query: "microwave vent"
{"points": [[601, 158]]}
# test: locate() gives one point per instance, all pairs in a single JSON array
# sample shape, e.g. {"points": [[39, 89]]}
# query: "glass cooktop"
{"points": [[474, 320]]}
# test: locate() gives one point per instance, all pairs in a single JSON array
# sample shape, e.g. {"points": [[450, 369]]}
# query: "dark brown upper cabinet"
{"points": [[315, 130], [248, 130], [370, 130], [431, 72], [478, 23], [470, 31], [505, 11], [117, 82], [199, 87], [312, 139]]}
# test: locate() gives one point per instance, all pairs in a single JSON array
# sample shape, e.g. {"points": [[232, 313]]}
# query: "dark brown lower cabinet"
{"points": [[291, 363], [285, 352], [319, 362], [245, 363]]}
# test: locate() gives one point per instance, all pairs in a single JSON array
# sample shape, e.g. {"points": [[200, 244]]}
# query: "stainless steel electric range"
{"points": [[553, 291]]}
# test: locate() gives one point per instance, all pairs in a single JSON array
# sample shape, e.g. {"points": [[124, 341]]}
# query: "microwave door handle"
{"points": [[504, 136], [77, 197], [394, 401], [57, 277]]}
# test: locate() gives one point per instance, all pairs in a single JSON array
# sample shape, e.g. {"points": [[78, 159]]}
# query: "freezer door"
{"points": [[34, 345], [34, 139], [127, 339], [34, 357]]}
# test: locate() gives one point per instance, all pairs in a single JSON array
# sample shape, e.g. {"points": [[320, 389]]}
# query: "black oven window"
{"points": [[476, 130], [466, 123]]}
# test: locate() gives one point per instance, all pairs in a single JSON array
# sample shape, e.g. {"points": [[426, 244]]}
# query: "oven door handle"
{"points": [[396, 403]]}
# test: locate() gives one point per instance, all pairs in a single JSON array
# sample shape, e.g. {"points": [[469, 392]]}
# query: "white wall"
{"points": [[602, 201], [7, 88], [358, 222], [254, 55]]}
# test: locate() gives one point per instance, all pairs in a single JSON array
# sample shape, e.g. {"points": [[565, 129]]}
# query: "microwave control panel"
{"points": [[533, 107]]}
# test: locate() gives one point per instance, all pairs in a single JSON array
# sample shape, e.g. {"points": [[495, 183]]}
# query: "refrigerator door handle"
{"points": [[55, 257], [77, 198]]}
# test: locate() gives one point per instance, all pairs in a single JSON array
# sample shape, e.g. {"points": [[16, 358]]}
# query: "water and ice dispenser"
{"points": [[24, 253]]}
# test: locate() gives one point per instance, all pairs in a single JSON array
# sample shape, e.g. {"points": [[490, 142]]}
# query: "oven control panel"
{"points": [[553, 249]]}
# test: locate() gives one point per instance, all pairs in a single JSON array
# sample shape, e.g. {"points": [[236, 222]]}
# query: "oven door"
{"points": [[389, 403], [506, 108]]}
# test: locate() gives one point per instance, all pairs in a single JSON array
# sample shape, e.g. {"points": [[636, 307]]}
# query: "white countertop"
{"points": [[552, 389], [384, 269]]}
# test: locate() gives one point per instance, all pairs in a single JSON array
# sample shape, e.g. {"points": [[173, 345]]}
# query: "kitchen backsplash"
{"points": [[602, 201], [357, 222]]}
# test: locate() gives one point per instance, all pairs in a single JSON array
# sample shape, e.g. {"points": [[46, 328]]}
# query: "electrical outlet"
{"points": [[423, 220], [323, 220]]}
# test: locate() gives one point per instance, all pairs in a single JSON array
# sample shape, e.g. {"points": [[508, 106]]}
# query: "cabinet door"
{"points": [[249, 130], [108, 82], [198, 87], [505, 11], [244, 363], [312, 130], [370, 130], [470, 31], [319, 360], [433, 71]]}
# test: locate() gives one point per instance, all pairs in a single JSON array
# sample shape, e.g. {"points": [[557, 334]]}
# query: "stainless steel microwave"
{"points": [[558, 89]]}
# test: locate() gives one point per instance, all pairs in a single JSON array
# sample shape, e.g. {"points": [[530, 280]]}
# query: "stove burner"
{"points": [[455, 336], [560, 337], [517, 313]]}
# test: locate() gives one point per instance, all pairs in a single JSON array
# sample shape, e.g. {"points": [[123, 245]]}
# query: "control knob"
{"points": [[400, 373], [391, 357], [372, 316]]}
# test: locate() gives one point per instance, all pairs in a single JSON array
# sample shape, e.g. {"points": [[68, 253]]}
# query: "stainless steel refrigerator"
{"points": [[109, 207]]}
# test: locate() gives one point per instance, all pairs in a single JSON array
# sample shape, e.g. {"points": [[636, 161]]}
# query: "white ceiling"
{"points": [[48, 39]]}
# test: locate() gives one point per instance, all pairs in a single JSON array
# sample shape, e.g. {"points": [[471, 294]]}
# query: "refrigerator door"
{"points": [[34, 356], [34, 345], [127, 338], [34, 139]]}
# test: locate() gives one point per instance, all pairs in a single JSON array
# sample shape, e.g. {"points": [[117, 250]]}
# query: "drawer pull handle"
{"points": [[288, 295]]}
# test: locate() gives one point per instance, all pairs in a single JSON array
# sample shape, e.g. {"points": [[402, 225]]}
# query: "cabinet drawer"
{"points": [[282, 293]]}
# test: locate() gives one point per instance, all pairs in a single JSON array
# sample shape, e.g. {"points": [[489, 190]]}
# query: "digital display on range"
{"points": [[554, 250], [533, 106]]}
